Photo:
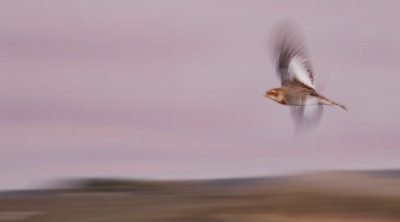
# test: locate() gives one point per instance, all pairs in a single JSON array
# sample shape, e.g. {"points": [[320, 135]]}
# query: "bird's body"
{"points": [[298, 94], [297, 78]]}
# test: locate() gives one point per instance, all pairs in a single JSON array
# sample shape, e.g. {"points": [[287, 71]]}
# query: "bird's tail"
{"points": [[325, 101]]}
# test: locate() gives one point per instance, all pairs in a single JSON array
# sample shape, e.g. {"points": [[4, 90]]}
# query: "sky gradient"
{"points": [[173, 89]]}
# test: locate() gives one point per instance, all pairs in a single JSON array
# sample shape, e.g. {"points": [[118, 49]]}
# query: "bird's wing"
{"points": [[293, 63], [306, 118]]}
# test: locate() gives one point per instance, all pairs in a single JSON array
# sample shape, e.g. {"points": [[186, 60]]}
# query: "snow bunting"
{"points": [[297, 78]]}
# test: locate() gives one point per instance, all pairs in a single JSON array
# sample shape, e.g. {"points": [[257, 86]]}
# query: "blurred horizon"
{"points": [[173, 89], [319, 196], [114, 183]]}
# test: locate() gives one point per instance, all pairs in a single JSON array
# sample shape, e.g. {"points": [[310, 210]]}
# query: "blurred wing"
{"points": [[300, 70], [306, 118], [293, 62]]}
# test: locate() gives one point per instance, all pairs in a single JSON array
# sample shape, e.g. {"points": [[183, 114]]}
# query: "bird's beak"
{"points": [[265, 95]]}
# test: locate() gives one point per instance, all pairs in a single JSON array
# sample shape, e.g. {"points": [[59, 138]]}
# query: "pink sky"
{"points": [[173, 89]]}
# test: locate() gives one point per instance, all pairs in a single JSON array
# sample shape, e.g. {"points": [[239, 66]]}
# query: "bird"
{"points": [[297, 78]]}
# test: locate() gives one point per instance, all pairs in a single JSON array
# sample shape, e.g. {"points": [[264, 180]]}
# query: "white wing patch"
{"points": [[311, 101], [290, 52], [300, 70]]}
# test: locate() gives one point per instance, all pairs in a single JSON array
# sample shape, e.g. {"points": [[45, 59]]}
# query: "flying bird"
{"points": [[297, 79]]}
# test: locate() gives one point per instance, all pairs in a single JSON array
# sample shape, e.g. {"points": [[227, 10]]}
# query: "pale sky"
{"points": [[173, 89]]}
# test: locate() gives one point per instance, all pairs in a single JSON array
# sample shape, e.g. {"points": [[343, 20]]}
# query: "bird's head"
{"points": [[278, 95]]}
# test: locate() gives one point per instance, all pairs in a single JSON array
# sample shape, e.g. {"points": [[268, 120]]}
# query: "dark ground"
{"points": [[329, 196]]}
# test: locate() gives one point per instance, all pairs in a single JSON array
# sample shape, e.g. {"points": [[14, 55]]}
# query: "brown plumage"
{"points": [[297, 76]]}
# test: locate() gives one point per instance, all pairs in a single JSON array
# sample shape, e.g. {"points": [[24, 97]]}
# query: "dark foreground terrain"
{"points": [[329, 196]]}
